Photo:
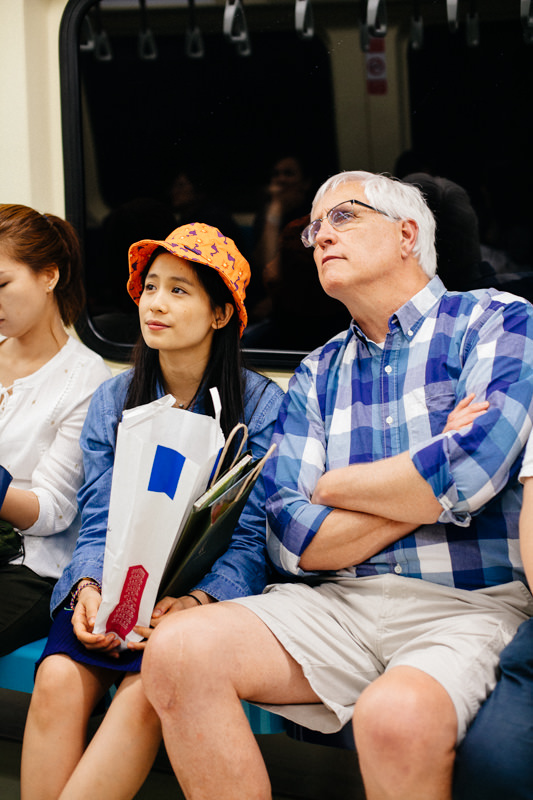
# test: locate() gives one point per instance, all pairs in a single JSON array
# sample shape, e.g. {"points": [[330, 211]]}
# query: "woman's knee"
{"points": [[63, 687], [54, 685]]}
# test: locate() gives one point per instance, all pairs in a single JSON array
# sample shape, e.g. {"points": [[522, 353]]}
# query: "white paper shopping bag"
{"points": [[164, 459]]}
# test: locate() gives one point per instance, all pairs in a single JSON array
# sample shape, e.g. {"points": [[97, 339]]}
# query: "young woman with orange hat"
{"points": [[190, 290]]}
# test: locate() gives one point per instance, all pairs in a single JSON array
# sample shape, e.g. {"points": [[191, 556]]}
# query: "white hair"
{"points": [[397, 201]]}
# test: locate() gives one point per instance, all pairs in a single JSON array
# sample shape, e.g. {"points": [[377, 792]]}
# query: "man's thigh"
{"points": [[227, 641], [345, 634]]}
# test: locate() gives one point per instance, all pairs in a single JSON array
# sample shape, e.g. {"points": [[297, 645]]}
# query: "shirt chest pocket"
{"points": [[427, 409]]}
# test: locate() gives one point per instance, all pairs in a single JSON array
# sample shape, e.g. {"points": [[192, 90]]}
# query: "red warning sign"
{"points": [[376, 66]]}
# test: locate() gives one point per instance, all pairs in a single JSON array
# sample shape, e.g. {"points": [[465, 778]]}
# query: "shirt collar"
{"points": [[411, 315]]}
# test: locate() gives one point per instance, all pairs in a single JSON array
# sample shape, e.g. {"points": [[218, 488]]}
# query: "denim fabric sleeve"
{"points": [[292, 473], [97, 442], [243, 569], [466, 470]]}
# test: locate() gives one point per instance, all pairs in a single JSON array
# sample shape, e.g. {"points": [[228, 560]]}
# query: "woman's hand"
{"points": [[83, 620], [464, 413], [166, 606]]}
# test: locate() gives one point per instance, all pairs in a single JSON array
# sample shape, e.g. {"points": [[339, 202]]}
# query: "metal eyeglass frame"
{"points": [[309, 233]]}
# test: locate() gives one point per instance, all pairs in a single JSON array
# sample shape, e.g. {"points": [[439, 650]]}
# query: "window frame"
{"points": [[74, 186]]}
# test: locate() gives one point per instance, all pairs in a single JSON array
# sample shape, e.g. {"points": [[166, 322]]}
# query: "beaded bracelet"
{"points": [[82, 585], [194, 598]]}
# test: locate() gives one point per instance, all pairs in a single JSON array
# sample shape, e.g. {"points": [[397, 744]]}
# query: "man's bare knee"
{"points": [[222, 648], [184, 650], [407, 711]]}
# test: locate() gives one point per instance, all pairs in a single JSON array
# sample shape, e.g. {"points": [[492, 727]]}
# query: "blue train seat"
{"points": [[17, 668]]}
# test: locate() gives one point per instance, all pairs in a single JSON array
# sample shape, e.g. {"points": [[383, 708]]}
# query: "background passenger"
{"points": [[142, 216], [46, 381], [192, 197], [286, 197], [302, 316], [190, 289], [457, 231]]}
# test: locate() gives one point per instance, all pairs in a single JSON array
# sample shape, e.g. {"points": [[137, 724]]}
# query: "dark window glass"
{"points": [[153, 142]]}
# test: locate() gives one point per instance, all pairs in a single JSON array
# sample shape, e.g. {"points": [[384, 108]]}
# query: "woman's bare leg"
{"points": [[63, 700], [122, 751]]}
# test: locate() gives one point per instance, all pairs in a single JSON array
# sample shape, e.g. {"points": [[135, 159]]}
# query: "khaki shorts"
{"points": [[346, 633]]}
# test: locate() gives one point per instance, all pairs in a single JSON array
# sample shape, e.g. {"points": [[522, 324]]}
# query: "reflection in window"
{"points": [[178, 138], [175, 139]]}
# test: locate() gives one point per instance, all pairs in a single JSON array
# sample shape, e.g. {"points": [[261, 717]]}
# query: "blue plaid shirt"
{"points": [[353, 402]]}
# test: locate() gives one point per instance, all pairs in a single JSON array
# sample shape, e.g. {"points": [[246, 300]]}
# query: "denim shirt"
{"points": [[243, 569]]}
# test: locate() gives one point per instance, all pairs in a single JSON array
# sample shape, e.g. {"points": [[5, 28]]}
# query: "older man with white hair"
{"points": [[395, 529]]}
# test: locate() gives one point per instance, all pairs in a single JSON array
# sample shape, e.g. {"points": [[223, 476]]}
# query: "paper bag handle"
{"points": [[238, 426], [217, 405], [254, 473]]}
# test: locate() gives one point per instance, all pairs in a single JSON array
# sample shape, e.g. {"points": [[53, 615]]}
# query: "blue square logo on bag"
{"points": [[166, 471]]}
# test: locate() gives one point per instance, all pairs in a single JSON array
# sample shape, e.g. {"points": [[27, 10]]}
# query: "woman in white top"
{"points": [[46, 381]]}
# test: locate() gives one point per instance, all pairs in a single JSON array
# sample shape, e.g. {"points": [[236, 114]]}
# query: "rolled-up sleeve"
{"points": [[467, 469]]}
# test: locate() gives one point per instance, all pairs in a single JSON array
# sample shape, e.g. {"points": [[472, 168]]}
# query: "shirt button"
{"points": [[389, 420], [388, 369], [409, 332], [397, 569]]}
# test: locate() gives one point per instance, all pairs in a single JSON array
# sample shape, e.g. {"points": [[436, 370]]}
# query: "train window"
{"points": [[232, 112]]}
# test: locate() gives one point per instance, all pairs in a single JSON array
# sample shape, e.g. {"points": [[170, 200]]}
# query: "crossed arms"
{"points": [[375, 504]]}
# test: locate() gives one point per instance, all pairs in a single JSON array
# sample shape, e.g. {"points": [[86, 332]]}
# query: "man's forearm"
{"points": [[391, 488], [346, 538]]}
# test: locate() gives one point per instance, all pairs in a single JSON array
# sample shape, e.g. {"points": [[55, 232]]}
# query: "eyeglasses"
{"points": [[339, 217]]}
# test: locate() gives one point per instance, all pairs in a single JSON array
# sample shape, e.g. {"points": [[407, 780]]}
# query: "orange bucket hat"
{"points": [[202, 244]]}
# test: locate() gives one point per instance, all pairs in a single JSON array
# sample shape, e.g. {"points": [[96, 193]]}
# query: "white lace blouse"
{"points": [[41, 417]]}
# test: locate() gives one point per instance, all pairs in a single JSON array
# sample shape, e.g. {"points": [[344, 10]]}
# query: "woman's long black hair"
{"points": [[225, 366]]}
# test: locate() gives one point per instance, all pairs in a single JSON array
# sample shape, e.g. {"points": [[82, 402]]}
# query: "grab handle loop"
{"points": [[86, 35], [102, 45], [194, 41], [376, 17], [526, 13], [303, 17], [235, 27], [416, 36], [472, 29], [451, 10]]}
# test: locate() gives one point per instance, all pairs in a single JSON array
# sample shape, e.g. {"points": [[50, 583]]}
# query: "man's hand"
{"points": [[166, 606], [464, 413]]}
